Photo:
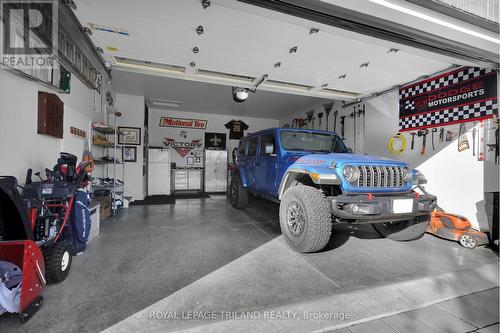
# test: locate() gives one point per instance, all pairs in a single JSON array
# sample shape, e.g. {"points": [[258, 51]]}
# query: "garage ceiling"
{"points": [[248, 41], [209, 98]]}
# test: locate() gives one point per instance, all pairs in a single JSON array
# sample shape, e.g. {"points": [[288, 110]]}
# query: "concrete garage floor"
{"points": [[202, 255]]}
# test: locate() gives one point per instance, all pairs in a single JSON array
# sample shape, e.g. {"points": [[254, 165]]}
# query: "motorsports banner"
{"points": [[463, 95]]}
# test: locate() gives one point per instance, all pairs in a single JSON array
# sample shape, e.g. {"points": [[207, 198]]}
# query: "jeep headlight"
{"points": [[351, 174], [405, 174], [418, 178]]}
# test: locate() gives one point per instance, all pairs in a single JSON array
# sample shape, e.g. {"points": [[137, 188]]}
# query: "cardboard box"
{"points": [[105, 203]]}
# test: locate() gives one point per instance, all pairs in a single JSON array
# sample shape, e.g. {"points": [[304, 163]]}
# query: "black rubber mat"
{"points": [[155, 200]]}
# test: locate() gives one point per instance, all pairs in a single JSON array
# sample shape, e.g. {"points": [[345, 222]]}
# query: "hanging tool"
{"points": [[310, 119], [463, 143], [402, 144], [474, 140], [441, 134], [413, 140], [320, 115], [335, 114], [295, 123], [480, 143], [361, 112], [328, 109], [353, 116], [342, 126], [434, 130], [302, 122], [423, 133]]}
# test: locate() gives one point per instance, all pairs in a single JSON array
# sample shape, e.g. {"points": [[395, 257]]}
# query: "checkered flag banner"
{"points": [[478, 111], [463, 95]]}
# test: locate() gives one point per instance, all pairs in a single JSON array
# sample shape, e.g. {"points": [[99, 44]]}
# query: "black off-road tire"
{"points": [[237, 193], [317, 228], [55, 269], [402, 231]]}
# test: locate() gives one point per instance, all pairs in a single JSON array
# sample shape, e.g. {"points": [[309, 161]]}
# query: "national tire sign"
{"points": [[463, 95], [183, 123]]}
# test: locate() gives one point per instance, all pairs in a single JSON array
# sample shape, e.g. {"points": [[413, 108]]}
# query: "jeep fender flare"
{"points": [[313, 174], [242, 175]]}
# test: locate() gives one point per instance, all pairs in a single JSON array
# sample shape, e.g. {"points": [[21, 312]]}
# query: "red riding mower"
{"points": [[40, 230]]}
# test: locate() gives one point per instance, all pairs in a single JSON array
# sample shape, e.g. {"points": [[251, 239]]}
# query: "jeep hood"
{"points": [[345, 158]]}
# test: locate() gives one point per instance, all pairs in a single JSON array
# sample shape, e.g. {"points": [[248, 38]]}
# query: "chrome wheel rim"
{"points": [[65, 261], [295, 219], [467, 241]]}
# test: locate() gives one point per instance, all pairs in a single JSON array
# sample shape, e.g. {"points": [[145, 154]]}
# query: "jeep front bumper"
{"points": [[367, 208]]}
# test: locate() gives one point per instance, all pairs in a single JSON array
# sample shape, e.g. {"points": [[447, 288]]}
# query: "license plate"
{"points": [[400, 206], [47, 190]]}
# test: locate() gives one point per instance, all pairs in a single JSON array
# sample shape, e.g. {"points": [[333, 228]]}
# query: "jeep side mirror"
{"points": [[269, 148]]}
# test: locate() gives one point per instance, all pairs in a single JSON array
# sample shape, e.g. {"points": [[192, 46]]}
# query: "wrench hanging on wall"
{"points": [[434, 130], [320, 115], [361, 112]]}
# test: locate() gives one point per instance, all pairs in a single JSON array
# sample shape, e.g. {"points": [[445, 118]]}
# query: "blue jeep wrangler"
{"points": [[317, 181]]}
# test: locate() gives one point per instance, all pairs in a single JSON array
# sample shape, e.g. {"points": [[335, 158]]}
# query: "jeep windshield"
{"points": [[312, 142]]}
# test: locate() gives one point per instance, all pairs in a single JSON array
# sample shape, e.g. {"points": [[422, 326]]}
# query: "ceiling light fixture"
{"points": [[324, 85], [196, 50], [278, 64], [241, 94], [293, 50], [393, 50], [342, 76], [364, 65], [313, 31], [200, 30], [192, 64], [205, 4], [435, 20], [164, 103]]}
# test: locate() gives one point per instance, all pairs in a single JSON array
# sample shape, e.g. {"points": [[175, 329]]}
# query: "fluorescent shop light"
{"points": [[435, 20]]}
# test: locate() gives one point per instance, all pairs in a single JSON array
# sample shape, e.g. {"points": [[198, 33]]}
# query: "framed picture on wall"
{"points": [[129, 154], [129, 136]]}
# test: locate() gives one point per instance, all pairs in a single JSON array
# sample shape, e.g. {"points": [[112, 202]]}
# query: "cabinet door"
{"points": [[222, 171], [210, 171]]}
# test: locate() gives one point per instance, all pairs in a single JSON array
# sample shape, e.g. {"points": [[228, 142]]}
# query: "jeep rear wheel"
{"points": [[237, 193], [402, 230], [305, 219]]}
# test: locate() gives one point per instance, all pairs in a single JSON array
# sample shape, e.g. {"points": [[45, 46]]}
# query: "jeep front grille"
{"points": [[379, 176]]}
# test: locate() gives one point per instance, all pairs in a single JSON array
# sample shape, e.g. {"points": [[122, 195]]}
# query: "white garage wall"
{"points": [[132, 110], [20, 145], [455, 178], [215, 124]]}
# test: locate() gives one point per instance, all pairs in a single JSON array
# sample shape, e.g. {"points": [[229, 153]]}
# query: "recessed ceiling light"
{"points": [[342, 76], [293, 49], [196, 50], [313, 31], [393, 50], [435, 20], [200, 30], [278, 64], [364, 65]]}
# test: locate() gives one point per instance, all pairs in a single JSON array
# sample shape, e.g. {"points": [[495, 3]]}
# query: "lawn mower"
{"points": [[40, 230], [454, 227], [457, 228]]}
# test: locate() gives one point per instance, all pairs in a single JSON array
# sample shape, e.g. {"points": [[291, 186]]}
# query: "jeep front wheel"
{"points": [[305, 219], [238, 194], [402, 230]]}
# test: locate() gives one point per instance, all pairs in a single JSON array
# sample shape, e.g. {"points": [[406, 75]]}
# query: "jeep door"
{"points": [[266, 165], [246, 160]]}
